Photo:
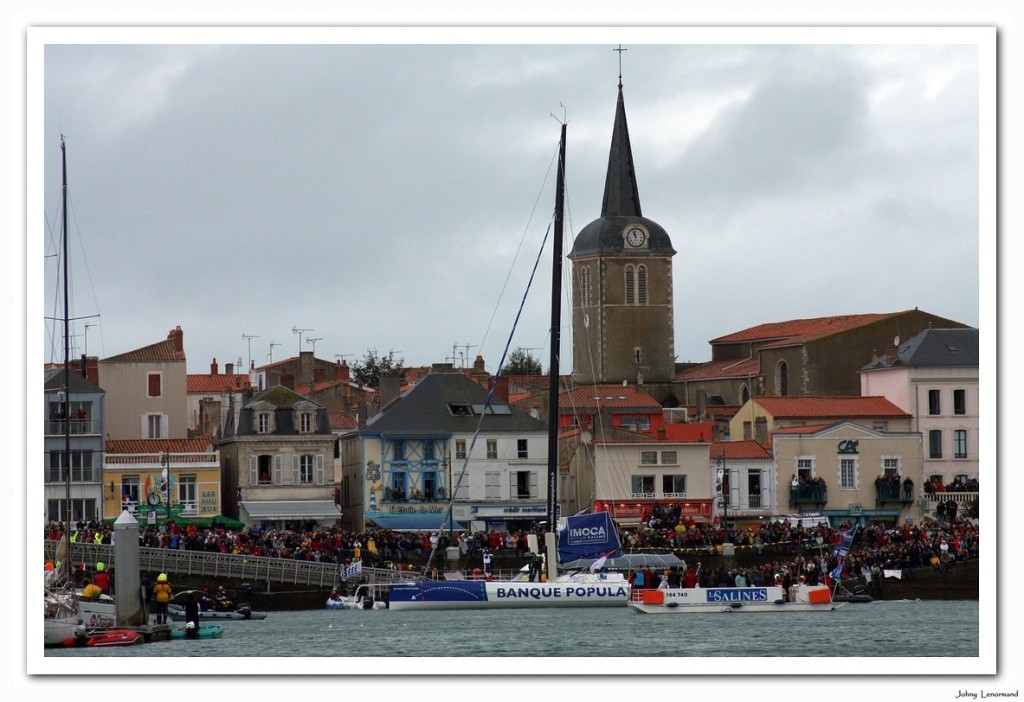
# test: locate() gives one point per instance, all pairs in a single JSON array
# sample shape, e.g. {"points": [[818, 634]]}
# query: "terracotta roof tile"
{"points": [[274, 364], [805, 406], [608, 396], [198, 445], [728, 368], [340, 420], [796, 330], [738, 450], [811, 429], [200, 383], [160, 351]]}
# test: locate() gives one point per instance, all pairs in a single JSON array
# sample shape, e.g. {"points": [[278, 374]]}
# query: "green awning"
{"points": [[218, 522]]}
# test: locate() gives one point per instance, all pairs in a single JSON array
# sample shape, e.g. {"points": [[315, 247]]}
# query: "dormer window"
{"points": [[306, 422], [263, 422]]}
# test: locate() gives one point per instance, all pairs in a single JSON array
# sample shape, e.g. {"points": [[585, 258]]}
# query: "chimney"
{"points": [[390, 388], [501, 388], [178, 337], [343, 372], [478, 364], [213, 367], [890, 356], [874, 355], [229, 368], [661, 433]]}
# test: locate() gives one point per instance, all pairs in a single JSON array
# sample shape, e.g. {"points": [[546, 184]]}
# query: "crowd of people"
{"points": [[958, 485], [781, 546]]}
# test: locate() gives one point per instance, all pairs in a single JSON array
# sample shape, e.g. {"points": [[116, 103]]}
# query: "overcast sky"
{"points": [[394, 196]]}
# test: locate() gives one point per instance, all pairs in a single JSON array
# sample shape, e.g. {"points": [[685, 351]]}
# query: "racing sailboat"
{"points": [[581, 536], [60, 606]]}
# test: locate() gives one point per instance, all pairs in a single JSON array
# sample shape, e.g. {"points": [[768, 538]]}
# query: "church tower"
{"points": [[622, 284]]}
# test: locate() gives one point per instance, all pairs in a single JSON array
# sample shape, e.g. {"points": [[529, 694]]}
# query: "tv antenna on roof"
{"points": [[300, 332], [248, 338], [271, 354], [313, 342]]}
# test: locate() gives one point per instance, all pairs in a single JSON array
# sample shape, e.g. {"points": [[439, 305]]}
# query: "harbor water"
{"points": [[881, 630]]}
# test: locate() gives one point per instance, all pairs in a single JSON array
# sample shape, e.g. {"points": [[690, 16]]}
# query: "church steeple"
{"points": [[622, 283], [621, 195]]}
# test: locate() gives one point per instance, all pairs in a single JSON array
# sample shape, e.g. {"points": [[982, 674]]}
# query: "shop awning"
{"points": [[418, 522], [292, 509]]}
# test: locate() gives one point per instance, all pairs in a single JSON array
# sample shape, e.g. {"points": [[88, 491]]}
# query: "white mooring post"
{"points": [[126, 571]]}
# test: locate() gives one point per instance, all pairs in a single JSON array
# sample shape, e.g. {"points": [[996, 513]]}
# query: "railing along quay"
{"points": [[204, 564]]}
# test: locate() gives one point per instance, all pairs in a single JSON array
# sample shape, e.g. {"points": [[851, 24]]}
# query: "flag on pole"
{"points": [[582, 511], [842, 550], [353, 570], [599, 563]]}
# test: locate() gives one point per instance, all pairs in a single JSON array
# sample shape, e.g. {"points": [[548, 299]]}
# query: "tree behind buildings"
{"points": [[374, 365]]}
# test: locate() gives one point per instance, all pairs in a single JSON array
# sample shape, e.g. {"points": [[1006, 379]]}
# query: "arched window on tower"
{"points": [[782, 378], [744, 395], [585, 289], [636, 285]]}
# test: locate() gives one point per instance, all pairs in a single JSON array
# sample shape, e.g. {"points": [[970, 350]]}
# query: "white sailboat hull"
{"points": [[581, 590]]}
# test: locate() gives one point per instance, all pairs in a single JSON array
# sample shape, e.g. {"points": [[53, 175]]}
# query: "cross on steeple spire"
{"points": [[620, 50]]}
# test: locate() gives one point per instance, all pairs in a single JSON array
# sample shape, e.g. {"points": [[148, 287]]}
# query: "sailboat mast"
{"points": [[556, 327], [66, 401]]}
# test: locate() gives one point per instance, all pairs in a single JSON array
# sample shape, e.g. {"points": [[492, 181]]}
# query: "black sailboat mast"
{"points": [[556, 325], [66, 400]]}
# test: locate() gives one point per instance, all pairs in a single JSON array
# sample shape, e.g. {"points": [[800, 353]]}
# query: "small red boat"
{"points": [[105, 637]]}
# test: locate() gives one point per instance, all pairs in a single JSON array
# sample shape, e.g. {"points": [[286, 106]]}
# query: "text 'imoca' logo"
{"points": [[588, 535]]}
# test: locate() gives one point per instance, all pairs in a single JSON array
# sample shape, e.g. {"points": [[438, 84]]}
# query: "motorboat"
{"points": [[769, 598], [362, 598]]}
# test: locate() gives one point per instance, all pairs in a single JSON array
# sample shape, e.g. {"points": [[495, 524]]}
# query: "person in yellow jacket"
{"points": [[91, 591], [161, 596]]}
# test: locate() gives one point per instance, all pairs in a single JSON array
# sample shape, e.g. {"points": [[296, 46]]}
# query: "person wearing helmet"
{"points": [[101, 579], [161, 596]]}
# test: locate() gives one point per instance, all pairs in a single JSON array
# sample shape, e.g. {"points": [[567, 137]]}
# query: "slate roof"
{"points": [[935, 348], [810, 406], [621, 204], [160, 351], [53, 379], [426, 410], [280, 397]]}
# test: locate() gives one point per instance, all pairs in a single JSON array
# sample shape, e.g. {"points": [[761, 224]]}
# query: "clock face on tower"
{"points": [[636, 237]]}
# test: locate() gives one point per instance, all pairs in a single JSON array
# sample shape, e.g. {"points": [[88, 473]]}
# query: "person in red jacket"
{"points": [[102, 579]]}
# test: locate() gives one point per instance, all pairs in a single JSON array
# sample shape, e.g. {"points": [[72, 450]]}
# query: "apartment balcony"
{"points": [[55, 427], [893, 493], [813, 494]]}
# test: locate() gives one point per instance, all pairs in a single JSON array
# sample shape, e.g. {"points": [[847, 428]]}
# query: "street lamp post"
{"points": [[724, 474], [165, 461]]}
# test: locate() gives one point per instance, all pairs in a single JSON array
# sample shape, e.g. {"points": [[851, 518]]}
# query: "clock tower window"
{"points": [[636, 285]]}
